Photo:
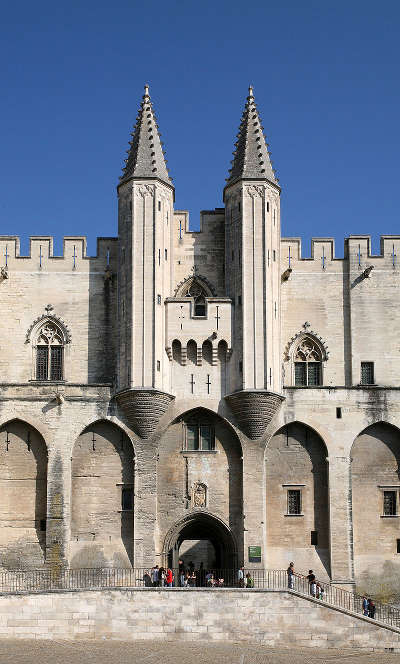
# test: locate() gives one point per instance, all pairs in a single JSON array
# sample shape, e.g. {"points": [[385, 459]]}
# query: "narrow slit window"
{"points": [[127, 499], [314, 538]]}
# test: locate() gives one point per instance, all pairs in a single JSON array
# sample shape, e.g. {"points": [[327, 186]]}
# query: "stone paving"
{"points": [[119, 652]]}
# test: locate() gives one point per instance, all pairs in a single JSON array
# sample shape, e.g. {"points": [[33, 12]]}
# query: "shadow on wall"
{"points": [[23, 490], [296, 466], [102, 498], [102, 320]]}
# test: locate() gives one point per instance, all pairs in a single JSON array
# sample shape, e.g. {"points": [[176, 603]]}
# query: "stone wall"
{"points": [[273, 618], [296, 459], [82, 292], [102, 468], [219, 471]]}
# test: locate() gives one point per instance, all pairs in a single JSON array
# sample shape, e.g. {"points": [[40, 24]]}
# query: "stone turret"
{"points": [[252, 253], [146, 197]]}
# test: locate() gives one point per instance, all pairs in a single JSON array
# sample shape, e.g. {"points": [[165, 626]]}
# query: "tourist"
{"points": [[169, 578], [313, 588], [241, 577], [147, 579], [290, 575], [364, 606], [155, 575], [311, 579], [161, 577], [181, 569], [249, 581], [371, 608], [319, 591], [209, 576]]}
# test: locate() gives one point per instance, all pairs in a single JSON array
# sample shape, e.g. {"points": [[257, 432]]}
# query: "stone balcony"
{"points": [[183, 325]]}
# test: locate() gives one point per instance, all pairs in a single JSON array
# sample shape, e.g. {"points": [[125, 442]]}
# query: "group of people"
{"points": [[189, 577], [186, 577], [159, 577], [316, 590], [315, 587], [368, 607]]}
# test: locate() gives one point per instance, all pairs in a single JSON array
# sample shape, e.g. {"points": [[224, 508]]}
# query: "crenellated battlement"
{"points": [[357, 251], [41, 254]]}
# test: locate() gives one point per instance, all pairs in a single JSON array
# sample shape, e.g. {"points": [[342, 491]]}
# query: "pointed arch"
{"points": [[375, 498], [199, 447], [102, 497], [195, 282], [296, 499], [203, 525], [306, 353], [51, 319], [23, 489], [48, 336]]}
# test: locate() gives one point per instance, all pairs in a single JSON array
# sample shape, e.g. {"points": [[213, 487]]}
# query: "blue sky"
{"points": [[326, 82]]}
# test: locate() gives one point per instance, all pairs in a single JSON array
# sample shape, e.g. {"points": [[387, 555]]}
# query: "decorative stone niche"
{"points": [[144, 408], [254, 410]]}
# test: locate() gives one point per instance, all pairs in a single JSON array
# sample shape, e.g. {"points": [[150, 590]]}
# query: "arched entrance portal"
{"points": [[203, 540]]}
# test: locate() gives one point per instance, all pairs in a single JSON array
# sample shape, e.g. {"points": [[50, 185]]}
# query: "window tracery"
{"points": [[49, 352], [194, 289], [307, 359]]}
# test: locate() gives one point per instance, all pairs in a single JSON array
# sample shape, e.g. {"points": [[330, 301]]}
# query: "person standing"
{"points": [[181, 570], [290, 575], [311, 580], [249, 581], [371, 608], [364, 606], [155, 575], [169, 578], [161, 577], [241, 577]]}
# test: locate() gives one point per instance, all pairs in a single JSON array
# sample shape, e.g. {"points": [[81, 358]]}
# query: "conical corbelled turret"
{"points": [[146, 157], [252, 160]]}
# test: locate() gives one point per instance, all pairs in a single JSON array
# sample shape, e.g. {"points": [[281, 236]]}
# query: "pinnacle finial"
{"points": [[252, 159], [146, 158]]}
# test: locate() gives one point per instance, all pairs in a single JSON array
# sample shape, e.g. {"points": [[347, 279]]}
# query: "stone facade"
{"points": [[274, 618], [212, 387]]}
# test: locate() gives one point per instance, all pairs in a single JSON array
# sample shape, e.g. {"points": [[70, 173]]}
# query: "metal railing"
{"points": [[98, 578]]}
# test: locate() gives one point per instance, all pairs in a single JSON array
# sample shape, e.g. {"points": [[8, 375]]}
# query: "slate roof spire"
{"points": [[146, 158], [252, 160]]}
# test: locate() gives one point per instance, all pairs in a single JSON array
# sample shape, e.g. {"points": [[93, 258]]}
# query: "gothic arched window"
{"points": [[49, 352], [307, 363], [195, 289]]}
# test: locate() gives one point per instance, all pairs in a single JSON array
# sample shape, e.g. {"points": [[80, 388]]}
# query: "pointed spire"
{"points": [[252, 161], [146, 155]]}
